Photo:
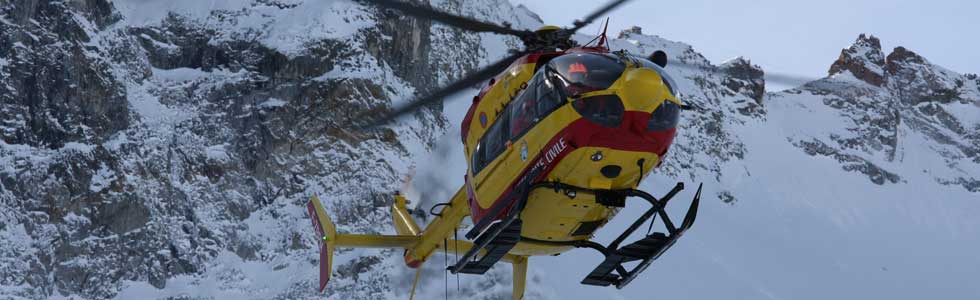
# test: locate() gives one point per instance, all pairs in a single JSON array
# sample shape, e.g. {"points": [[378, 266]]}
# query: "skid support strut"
{"points": [[647, 249]]}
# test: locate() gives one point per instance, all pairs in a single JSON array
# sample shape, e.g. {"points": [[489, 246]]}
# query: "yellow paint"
{"points": [[441, 227], [550, 216], [492, 181], [329, 237], [527, 248], [402, 219], [375, 241], [641, 89], [506, 84], [600, 183], [548, 28], [520, 277]]}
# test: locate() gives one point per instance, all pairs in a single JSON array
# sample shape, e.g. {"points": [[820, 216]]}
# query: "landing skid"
{"points": [[496, 242], [647, 249], [495, 237], [499, 237]]}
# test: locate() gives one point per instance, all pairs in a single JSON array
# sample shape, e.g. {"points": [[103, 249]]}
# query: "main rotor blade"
{"points": [[770, 77], [446, 18], [596, 14], [440, 95]]}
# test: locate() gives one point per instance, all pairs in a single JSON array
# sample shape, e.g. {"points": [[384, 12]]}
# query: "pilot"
{"points": [[524, 116], [578, 75]]}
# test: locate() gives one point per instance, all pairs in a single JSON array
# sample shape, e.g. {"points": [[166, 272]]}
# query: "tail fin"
{"points": [[327, 234], [404, 224], [329, 239]]}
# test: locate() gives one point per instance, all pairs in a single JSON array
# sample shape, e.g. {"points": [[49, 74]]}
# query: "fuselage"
{"points": [[584, 117]]}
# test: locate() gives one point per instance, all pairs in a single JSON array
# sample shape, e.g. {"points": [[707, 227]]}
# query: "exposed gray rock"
{"points": [[160, 152], [850, 162], [58, 90], [864, 60], [746, 78], [902, 91], [915, 80]]}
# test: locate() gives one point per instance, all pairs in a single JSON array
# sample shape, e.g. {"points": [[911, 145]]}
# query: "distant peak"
{"points": [[863, 59], [901, 54], [629, 31], [737, 61], [867, 41], [745, 77]]}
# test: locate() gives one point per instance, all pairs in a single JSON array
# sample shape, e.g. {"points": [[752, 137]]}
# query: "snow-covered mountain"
{"points": [[165, 149]]}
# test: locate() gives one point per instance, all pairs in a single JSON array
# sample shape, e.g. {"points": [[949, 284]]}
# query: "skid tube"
{"points": [[645, 250]]}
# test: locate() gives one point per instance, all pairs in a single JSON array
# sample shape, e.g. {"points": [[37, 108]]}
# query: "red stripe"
{"points": [[311, 210], [588, 50], [631, 135], [412, 263]]}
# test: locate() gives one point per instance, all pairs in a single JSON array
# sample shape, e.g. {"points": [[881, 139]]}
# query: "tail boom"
{"points": [[419, 244]]}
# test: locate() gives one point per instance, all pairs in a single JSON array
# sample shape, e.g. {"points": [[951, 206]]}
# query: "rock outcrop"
{"points": [[745, 78], [155, 149], [894, 97], [864, 60]]}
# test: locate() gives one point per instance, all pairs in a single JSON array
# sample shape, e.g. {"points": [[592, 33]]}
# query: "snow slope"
{"points": [[779, 223], [224, 117]]}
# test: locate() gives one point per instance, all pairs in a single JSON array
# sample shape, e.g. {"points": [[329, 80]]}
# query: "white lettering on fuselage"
{"points": [[552, 154]]}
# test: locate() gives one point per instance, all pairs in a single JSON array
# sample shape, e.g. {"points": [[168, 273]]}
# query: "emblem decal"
{"points": [[483, 119], [524, 151]]}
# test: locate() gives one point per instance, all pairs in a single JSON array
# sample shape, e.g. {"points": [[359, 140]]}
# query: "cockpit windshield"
{"points": [[580, 73]]}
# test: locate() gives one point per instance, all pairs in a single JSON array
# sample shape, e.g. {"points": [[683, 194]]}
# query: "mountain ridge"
{"points": [[174, 159]]}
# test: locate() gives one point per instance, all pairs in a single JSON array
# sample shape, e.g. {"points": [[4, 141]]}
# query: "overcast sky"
{"points": [[796, 37]]}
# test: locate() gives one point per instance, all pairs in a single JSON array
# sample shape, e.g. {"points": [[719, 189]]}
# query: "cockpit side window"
{"points": [[537, 101], [522, 109], [550, 96]]}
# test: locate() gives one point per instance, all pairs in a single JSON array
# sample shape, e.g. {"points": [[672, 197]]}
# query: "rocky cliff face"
{"points": [[165, 149], [142, 143], [883, 101], [864, 60], [55, 89]]}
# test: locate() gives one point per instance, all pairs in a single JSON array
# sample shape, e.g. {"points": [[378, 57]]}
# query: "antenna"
{"points": [[602, 39]]}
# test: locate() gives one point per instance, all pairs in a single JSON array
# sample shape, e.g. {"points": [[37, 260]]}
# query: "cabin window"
{"points": [[493, 142], [541, 97], [477, 161], [522, 109]]}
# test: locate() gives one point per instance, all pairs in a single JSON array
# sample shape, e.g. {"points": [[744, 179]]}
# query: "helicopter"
{"points": [[558, 138]]}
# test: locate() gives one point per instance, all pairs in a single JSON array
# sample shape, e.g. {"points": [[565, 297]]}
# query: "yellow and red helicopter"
{"points": [[557, 140]]}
